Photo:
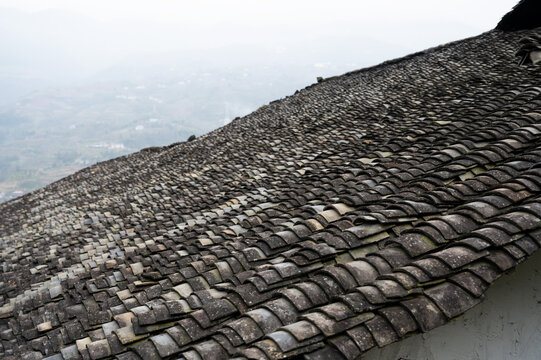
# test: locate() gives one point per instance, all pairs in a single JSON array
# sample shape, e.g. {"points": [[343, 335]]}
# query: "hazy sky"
{"points": [[479, 14], [75, 37]]}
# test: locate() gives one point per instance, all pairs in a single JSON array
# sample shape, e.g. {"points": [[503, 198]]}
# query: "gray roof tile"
{"points": [[342, 222]]}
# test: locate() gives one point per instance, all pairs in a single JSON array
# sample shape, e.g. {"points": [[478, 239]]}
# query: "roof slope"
{"points": [[358, 211]]}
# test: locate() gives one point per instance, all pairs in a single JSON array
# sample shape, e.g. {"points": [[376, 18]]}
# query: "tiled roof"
{"points": [[363, 209]]}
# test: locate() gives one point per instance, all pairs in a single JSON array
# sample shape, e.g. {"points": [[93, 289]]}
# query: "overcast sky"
{"points": [[68, 37], [479, 14]]}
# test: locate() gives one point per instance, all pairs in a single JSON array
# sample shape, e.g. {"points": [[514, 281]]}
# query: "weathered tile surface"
{"points": [[356, 212]]}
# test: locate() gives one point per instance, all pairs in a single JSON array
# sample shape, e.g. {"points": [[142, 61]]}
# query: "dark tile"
{"points": [[400, 319], [425, 312], [451, 299], [382, 331]]}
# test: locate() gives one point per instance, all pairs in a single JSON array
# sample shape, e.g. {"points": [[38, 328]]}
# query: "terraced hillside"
{"points": [[360, 210]]}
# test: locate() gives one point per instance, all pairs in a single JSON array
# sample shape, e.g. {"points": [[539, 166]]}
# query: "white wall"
{"points": [[506, 325]]}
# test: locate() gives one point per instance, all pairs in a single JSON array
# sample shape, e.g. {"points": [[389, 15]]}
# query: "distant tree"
{"points": [[525, 15]]}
